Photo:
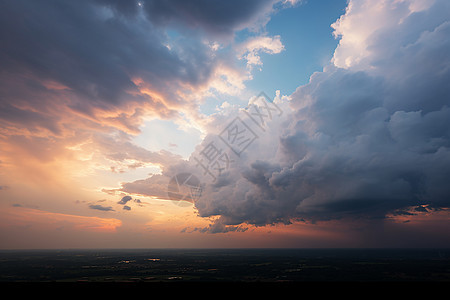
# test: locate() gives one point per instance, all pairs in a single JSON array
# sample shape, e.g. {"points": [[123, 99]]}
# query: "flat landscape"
{"points": [[226, 265]]}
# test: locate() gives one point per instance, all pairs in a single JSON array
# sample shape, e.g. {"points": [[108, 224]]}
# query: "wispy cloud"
{"points": [[41, 219], [101, 207], [250, 49]]}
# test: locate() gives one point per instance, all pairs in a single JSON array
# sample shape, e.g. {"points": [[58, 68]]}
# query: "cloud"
{"points": [[40, 219], [215, 227], [96, 63], [113, 60], [120, 149], [154, 186], [124, 200], [126, 207], [366, 137], [217, 18], [251, 49], [101, 207], [79, 79]]}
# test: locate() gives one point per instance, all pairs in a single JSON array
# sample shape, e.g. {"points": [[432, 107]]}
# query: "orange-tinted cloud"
{"points": [[28, 217]]}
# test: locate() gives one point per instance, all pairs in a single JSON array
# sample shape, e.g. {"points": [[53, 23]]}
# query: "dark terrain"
{"points": [[226, 265]]}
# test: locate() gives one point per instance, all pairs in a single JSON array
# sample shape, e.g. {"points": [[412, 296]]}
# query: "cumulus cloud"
{"points": [[366, 137]]}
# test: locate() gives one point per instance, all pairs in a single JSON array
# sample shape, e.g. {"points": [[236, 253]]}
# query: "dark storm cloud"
{"points": [[89, 49], [357, 142], [92, 62], [360, 142], [216, 17], [94, 47]]}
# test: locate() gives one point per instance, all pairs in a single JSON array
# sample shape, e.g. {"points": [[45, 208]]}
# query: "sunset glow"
{"points": [[306, 124]]}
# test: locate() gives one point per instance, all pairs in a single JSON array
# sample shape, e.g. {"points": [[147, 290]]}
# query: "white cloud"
{"points": [[251, 49], [363, 21]]}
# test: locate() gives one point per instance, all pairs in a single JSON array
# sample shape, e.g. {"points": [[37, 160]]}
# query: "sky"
{"points": [[224, 124]]}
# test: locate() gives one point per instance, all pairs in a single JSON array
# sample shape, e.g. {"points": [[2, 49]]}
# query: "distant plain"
{"points": [[225, 265]]}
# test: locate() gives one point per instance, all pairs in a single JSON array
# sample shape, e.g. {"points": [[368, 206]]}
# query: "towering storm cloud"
{"points": [[368, 136]]}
